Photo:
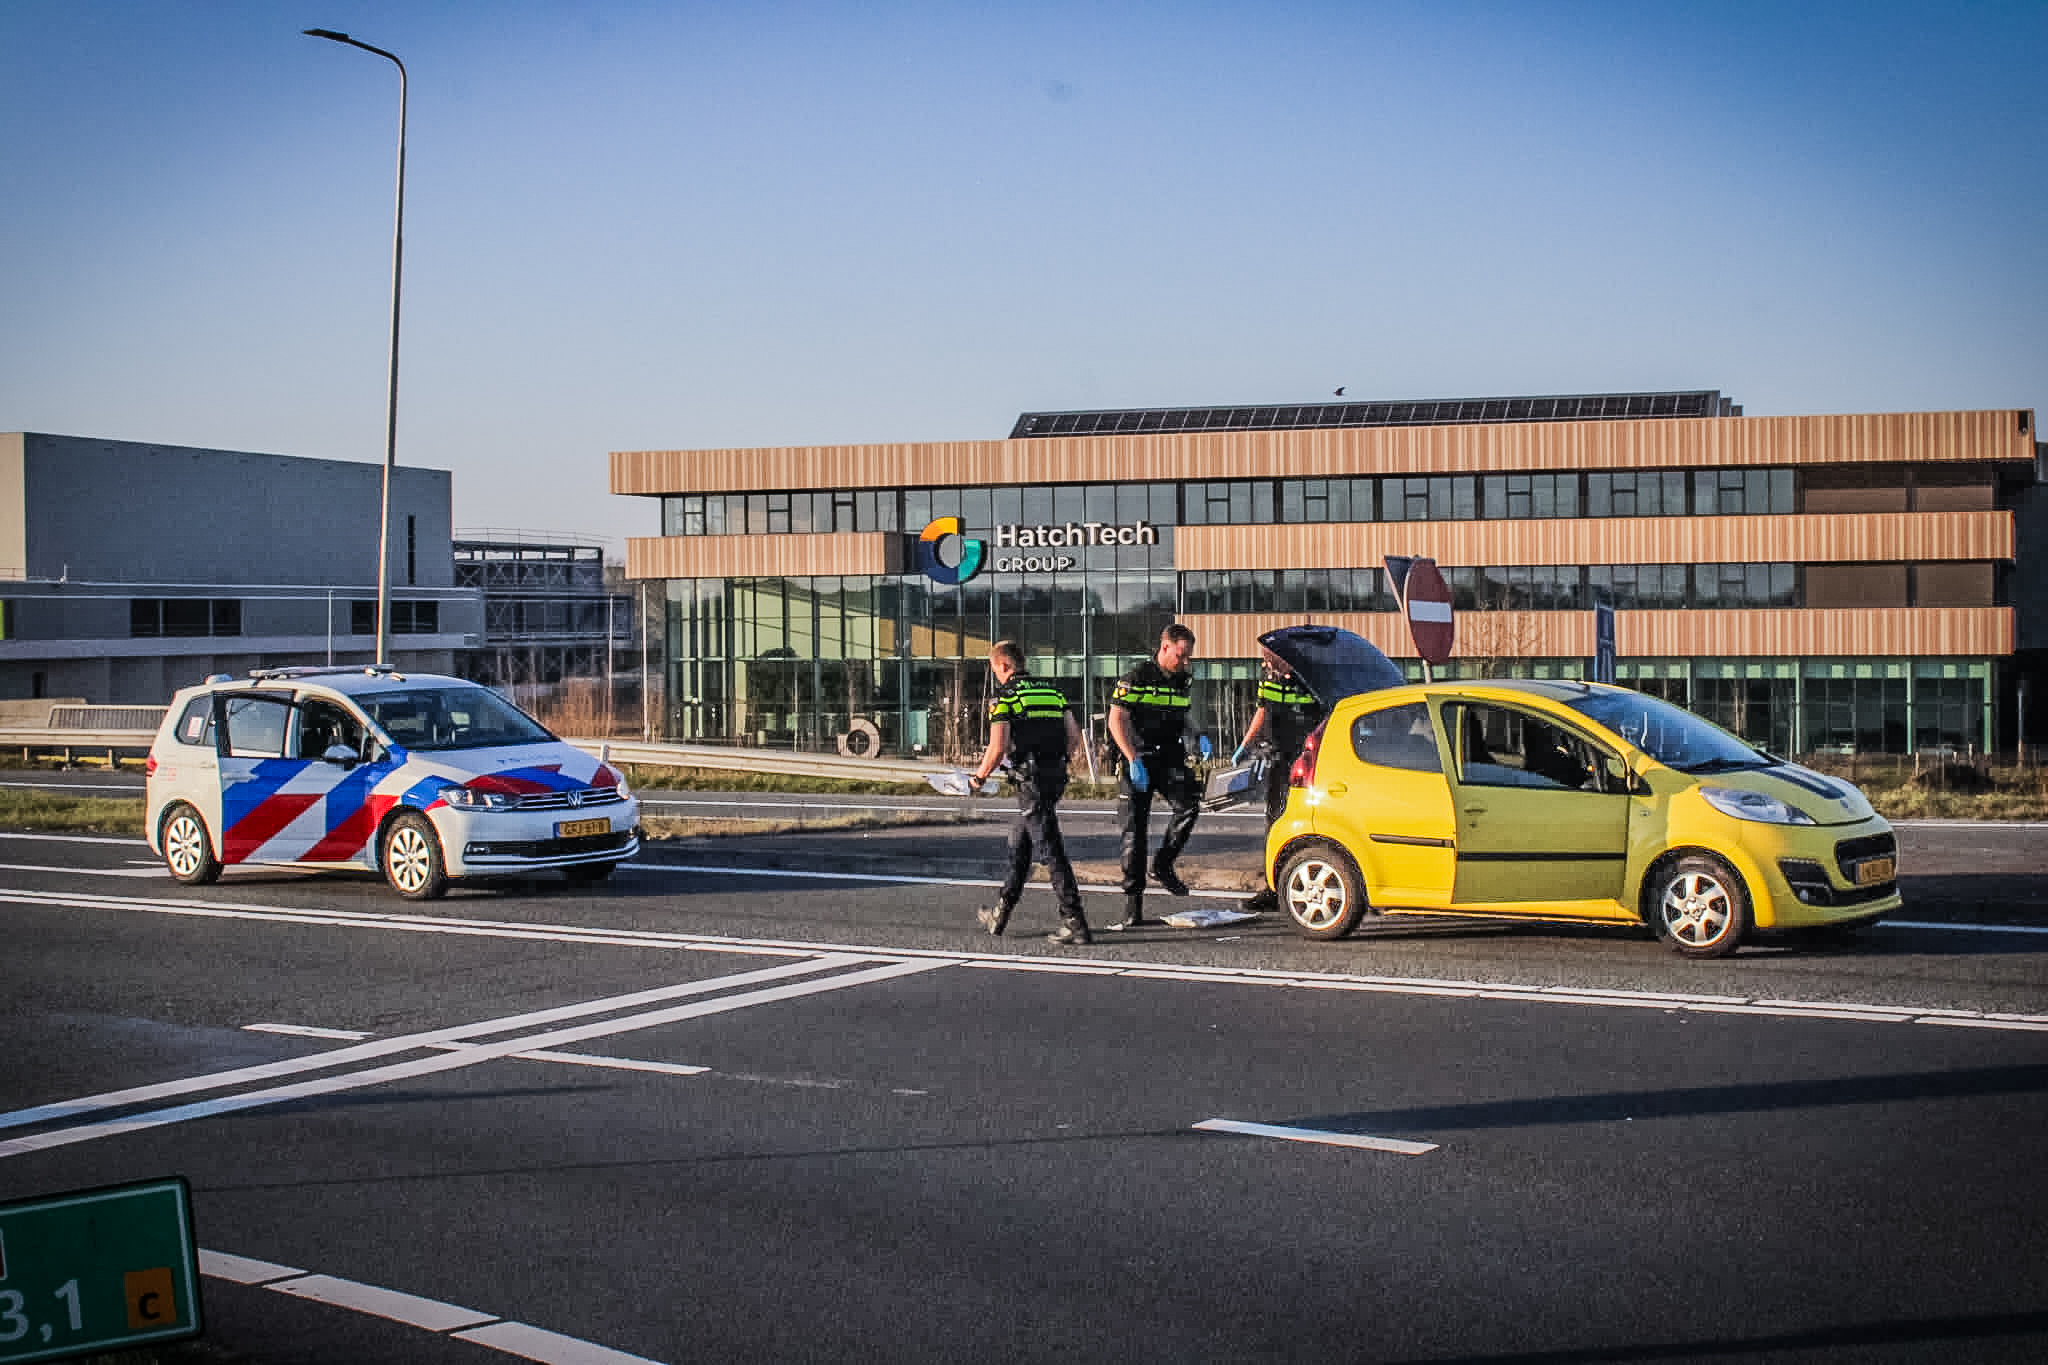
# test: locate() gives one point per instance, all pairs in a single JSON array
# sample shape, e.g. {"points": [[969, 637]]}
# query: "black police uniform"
{"points": [[1036, 713], [1292, 714], [1157, 703]]}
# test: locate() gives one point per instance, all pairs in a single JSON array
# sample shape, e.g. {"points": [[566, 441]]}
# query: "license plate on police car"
{"points": [[576, 829], [1875, 870]]}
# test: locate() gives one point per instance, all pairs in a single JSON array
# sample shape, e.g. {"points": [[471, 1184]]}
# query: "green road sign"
{"points": [[97, 1270]]}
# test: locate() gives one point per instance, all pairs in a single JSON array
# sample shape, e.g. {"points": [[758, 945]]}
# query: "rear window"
{"points": [[195, 726], [1398, 737]]}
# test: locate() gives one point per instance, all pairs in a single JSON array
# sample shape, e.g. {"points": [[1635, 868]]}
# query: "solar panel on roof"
{"points": [[1435, 412]]}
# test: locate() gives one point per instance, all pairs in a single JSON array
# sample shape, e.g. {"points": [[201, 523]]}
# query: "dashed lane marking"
{"points": [[1248, 976], [466, 1057], [384, 1047], [1317, 1135], [429, 1315], [568, 1058]]}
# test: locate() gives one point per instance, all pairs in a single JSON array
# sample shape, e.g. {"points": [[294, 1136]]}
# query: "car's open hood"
{"points": [[1332, 663]]}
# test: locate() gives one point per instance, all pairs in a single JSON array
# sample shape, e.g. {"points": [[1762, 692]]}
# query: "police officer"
{"points": [[1030, 724], [1148, 717], [1288, 714]]}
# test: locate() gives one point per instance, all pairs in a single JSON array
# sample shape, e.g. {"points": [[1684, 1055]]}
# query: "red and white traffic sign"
{"points": [[1426, 602]]}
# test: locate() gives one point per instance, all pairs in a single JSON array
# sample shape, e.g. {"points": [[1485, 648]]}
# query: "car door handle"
{"points": [[1475, 810], [1335, 789]]}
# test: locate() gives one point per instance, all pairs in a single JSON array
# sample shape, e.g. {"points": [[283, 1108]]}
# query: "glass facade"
{"points": [[796, 662]]}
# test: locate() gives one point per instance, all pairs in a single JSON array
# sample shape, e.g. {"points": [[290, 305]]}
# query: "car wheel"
{"points": [[583, 873], [1322, 891], [1700, 907], [412, 859], [188, 853]]}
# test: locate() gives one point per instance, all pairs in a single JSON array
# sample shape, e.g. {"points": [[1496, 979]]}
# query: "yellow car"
{"points": [[1556, 800]]}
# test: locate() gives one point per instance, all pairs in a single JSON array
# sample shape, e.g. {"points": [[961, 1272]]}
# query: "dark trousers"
{"points": [[1038, 829], [1172, 780], [1277, 768]]}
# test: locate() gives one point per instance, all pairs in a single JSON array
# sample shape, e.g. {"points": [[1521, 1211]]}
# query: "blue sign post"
{"points": [[1603, 640]]}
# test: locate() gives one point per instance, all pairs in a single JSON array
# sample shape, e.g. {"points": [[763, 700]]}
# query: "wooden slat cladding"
{"points": [[1974, 632], [1893, 537], [1670, 443], [795, 555]]}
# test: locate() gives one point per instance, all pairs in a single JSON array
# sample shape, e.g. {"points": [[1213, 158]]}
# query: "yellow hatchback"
{"points": [[1557, 800]]}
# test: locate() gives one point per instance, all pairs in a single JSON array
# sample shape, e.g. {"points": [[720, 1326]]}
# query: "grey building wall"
{"points": [[93, 527], [132, 511]]}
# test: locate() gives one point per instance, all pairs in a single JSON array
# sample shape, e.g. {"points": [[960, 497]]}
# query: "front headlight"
{"points": [[469, 798], [1749, 805]]}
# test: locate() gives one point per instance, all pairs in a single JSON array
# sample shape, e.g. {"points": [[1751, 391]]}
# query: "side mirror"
{"points": [[340, 754]]}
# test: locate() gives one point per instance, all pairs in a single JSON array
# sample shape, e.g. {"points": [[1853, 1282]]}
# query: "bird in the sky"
{"points": [[1340, 390]]}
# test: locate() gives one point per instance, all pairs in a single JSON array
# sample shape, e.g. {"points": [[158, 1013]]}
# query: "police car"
{"points": [[426, 779]]}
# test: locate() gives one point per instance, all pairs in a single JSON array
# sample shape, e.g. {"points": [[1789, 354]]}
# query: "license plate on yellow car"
{"points": [[1874, 871], [576, 829]]}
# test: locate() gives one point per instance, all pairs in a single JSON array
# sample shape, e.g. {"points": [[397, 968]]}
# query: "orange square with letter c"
{"points": [[152, 1298]]}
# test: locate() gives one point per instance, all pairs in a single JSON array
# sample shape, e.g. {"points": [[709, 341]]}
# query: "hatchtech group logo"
{"points": [[935, 533]]}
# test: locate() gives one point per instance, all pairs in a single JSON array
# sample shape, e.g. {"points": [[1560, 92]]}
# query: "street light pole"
{"points": [[391, 400]]}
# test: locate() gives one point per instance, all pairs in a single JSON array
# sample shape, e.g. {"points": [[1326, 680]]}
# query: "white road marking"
{"points": [[383, 1047], [222, 1265], [587, 1059], [467, 1057], [429, 1314], [432, 1315], [136, 872], [1270, 1130], [551, 1348], [308, 1031], [1099, 888], [1251, 976], [1964, 928]]}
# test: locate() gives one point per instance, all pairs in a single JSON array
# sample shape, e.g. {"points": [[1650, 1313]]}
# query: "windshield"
{"points": [[451, 718], [1674, 737]]}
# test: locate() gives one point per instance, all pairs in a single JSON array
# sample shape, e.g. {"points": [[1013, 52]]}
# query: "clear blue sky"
{"points": [[657, 225]]}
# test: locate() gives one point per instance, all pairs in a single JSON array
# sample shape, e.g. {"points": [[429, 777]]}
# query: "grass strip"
{"points": [[71, 814]]}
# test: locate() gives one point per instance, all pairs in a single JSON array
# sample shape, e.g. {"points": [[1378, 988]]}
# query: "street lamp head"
{"points": [[326, 33]]}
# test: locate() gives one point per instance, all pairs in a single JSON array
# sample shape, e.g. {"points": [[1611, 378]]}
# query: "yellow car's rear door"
{"points": [[1380, 791]]}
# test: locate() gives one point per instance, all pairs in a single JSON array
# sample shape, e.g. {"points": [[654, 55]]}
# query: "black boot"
{"points": [[1165, 876], [1134, 913], [1072, 932], [1266, 899]]}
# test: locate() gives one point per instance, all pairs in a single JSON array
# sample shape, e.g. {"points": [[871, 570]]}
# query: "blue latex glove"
{"points": [[1237, 757], [1140, 779]]}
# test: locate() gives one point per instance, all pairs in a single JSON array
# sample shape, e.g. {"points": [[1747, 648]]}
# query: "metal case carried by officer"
{"points": [[1235, 784]]}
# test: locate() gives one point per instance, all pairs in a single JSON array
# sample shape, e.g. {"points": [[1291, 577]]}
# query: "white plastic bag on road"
{"points": [[1207, 917], [954, 783]]}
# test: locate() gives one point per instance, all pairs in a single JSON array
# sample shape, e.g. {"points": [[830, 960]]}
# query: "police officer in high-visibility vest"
{"points": [[1288, 714], [1148, 717], [1031, 725]]}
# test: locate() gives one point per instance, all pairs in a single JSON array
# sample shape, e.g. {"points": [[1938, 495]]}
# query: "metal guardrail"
{"points": [[71, 717], [67, 740], [781, 761], [115, 740]]}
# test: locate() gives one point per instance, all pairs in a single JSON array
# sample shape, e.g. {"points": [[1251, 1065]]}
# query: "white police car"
{"points": [[423, 778]]}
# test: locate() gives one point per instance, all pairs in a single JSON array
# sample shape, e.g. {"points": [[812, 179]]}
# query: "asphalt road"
{"points": [[790, 1116]]}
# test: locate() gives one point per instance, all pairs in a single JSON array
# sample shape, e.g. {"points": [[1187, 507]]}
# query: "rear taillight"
{"points": [[1303, 772], [149, 766]]}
